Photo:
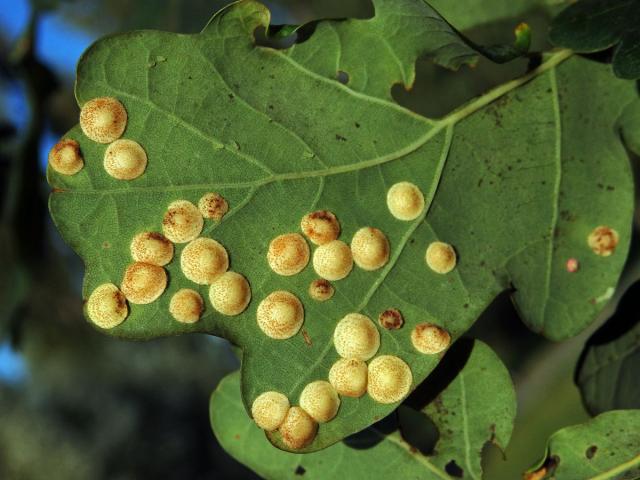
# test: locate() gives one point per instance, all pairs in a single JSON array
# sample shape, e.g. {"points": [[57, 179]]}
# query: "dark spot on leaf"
{"points": [[237, 436], [357, 125], [342, 77], [340, 138], [610, 188], [106, 244], [453, 469], [591, 451], [231, 96], [270, 107], [306, 337], [300, 470]]}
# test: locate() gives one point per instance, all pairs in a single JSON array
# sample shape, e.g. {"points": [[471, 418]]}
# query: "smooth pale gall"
{"points": [[103, 119], [203, 260], [288, 254], [213, 206], [182, 222], [405, 201], [143, 282], [430, 339], [298, 429], [230, 293], [389, 379], [280, 315], [320, 400], [107, 306], [356, 336], [125, 160], [320, 227], [269, 410], [441, 257], [65, 157], [333, 260], [370, 248], [151, 247], [186, 306], [349, 377]]}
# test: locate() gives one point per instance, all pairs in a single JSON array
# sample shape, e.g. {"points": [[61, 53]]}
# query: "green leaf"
{"points": [[515, 180], [630, 126], [478, 406], [605, 447], [607, 373], [594, 25]]}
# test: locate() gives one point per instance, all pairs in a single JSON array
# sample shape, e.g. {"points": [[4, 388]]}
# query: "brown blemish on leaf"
{"points": [[288, 254], [103, 119], [603, 240], [320, 227], [65, 157], [321, 290], [213, 206], [307, 338], [572, 265], [391, 319]]}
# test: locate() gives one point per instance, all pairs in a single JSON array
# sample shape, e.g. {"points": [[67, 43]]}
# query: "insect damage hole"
{"points": [[269, 410], [107, 306], [186, 306], [441, 257], [288, 254], [321, 290], [143, 282], [370, 248], [103, 119], [182, 222], [389, 379], [125, 160], [349, 377], [430, 339], [298, 429], [65, 157], [280, 315], [230, 293], [151, 247], [333, 260], [203, 260], [320, 227], [356, 336], [213, 206], [320, 400], [405, 201], [603, 240]]}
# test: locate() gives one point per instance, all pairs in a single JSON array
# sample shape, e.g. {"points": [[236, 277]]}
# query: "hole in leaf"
{"points": [[300, 470], [591, 451], [453, 469]]}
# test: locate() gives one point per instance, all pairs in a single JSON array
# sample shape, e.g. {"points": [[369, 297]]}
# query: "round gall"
{"points": [[186, 306], [125, 160], [603, 241], [389, 379], [441, 257], [320, 400], [356, 336], [269, 410], [391, 319], [280, 315], [321, 290], [405, 201], [288, 254], [143, 282], [370, 248], [182, 222], [430, 339], [298, 429], [213, 206], [333, 260], [203, 260], [107, 306], [320, 227], [65, 157], [103, 119], [230, 293], [349, 377], [151, 247]]}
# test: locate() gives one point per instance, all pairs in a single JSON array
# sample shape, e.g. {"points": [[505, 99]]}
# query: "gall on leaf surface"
{"points": [[515, 181]]}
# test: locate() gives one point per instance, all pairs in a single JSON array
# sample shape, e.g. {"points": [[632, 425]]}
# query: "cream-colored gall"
{"points": [[143, 282], [370, 248], [269, 410], [349, 377], [288, 254], [280, 315], [230, 293], [321, 290], [186, 306], [151, 247], [389, 379], [65, 157], [356, 336], [333, 260], [213, 206], [103, 119], [298, 429], [430, 339], [441, 257], [182, 222], [603, 240], [125, 160], [405, 201], [320, 227], [107, 306], [320, 400], [203, 260]]}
